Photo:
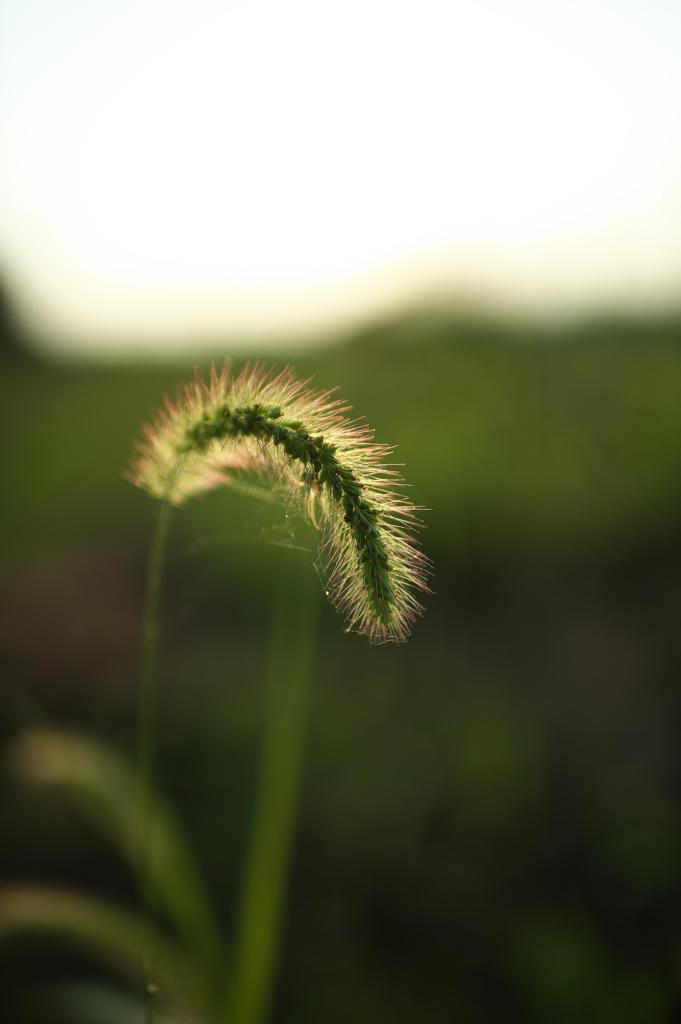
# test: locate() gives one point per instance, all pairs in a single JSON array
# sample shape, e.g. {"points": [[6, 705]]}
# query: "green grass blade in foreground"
{"points": [[287, 702], [106, 933], [103, 786]]}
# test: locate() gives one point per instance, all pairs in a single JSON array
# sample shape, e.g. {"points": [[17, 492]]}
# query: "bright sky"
{"points": [[174, 169]]}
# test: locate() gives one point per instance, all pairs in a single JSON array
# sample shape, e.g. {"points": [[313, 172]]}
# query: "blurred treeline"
{"points": [[490, 825]]}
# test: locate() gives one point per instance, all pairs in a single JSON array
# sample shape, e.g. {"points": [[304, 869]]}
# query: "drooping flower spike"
{"points": [[327, 465]]}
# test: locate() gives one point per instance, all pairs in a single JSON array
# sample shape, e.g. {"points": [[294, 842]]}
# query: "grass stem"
{"points": [[146, 744], [267, 867]]}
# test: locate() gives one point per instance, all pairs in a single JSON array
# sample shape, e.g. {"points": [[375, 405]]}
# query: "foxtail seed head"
{"points": [[327, 465]]}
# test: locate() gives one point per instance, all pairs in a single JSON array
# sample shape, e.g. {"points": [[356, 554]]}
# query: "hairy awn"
{"points": [[324, 463]]}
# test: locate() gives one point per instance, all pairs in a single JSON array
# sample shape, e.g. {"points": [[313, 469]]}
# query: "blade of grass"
{"points": [[107, 933], [103, 786], [286, 713]]}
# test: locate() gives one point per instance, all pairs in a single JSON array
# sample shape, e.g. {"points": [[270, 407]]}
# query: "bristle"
{"points": [[328, 464]]}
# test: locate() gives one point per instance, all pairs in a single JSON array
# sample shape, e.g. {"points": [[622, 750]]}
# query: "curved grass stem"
{"points": [[281, 759]]}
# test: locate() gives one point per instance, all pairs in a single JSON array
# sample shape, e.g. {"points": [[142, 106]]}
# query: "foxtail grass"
{"points": [[327, 466]]}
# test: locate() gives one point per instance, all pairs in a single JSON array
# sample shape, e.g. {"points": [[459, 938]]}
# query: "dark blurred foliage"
{"points": [[490, 826]]}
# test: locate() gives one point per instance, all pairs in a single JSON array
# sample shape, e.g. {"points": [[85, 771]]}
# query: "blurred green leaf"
{"points": [[104, 787], [106, 933]]}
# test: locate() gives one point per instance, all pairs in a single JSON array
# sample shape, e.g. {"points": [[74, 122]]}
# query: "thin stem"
{"points": [[146, 744], [287, 700]]}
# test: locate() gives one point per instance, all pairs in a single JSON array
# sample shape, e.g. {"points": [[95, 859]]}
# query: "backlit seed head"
{"points": [[324, 463]]}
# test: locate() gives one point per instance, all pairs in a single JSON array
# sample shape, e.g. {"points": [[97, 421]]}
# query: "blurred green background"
{"points": [[490, 825]]}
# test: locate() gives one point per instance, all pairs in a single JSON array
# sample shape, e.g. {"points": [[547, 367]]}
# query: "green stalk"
{"points": [[267, 866], [146, 744]]}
